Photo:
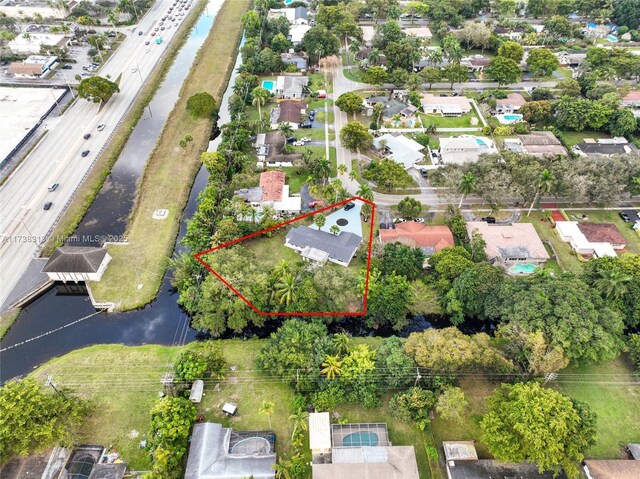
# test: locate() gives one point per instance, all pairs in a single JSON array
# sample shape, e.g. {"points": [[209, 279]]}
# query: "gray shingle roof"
{"points": [[341, 247], [209, 457], [485, 469], [75, 259]]}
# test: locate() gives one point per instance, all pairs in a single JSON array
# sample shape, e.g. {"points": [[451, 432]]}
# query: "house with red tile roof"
{"points": [[593, 239], [273, 192], [632, 101], [429, 239]]}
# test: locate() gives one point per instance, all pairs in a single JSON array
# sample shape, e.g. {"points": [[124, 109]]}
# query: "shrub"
{"points": [[201, 105], [503, 130]]}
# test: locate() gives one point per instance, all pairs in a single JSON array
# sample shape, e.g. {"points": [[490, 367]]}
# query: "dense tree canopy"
{"points": [[527, 422], [201, 105], [355, 136], [33, 419], [97, 89]]}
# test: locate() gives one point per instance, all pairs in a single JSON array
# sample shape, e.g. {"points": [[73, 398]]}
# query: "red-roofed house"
{"points": [[429, 239], [272, 192], [603, 233], [632, 102], [511, 104]]}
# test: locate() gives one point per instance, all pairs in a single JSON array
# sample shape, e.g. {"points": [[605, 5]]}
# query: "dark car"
{"points": [[87, 136], [349, 206], [625, 217], [305, 124], [424, 173], [489, 219], [140, 32], [444, 94], [85, 153], [292, 139], [66, 67], [47, 205]]}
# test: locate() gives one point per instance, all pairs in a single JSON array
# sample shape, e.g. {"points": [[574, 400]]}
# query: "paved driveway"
{"points": [[345, 220]]}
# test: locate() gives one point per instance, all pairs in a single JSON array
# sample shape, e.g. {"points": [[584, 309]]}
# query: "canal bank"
{"points": [[160, 322], [135, 273]]}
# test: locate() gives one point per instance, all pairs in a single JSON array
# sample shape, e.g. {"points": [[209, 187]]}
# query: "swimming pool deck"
{"points": [[354, 222]]}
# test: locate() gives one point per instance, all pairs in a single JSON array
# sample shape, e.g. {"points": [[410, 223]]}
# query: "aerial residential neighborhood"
{"points": [[319, 239]]}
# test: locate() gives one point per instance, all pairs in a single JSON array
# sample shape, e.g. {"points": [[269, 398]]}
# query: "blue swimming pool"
{"points": [[612, 38], [269, 85], [507, 119], [523, 268], [365, 438], [513, 117]]}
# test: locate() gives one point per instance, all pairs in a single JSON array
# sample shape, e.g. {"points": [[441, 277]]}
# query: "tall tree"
{"points": [[546, 182], [503, 70], [97, 89], [466, 186], [542, 62], [527, 422], [355, 136], [259, 97]]}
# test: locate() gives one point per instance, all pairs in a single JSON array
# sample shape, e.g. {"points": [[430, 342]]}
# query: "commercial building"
{"points": [[35, 66], [29, 43]]}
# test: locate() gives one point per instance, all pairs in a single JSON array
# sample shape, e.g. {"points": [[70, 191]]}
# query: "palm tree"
{"points": [[112, 16], [436, 56], [374, 56], [286, 289], [466, 186], [319, 220], [334, 230], [546, 180], [282, 469], [299, 419], [365, 192], [355, 47], [331, 367], [286, 130], [342, 169], [323, 169], [260, 97], [612, 284], [341, 343], [353, 175], [267, 410]]}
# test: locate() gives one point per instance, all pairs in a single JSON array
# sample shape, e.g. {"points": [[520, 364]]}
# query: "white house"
{"points": [[445, 105], [402, 150], [77, 263], [464, 148], [272, 192], [632, 101], [597, 239], [511, 104], [29, 43], [297, 33]]}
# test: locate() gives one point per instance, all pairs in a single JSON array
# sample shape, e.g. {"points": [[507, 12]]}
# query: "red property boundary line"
{"points": [[199, 255]]}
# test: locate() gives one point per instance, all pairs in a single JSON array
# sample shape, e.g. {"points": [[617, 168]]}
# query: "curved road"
{"points": [[57, 158]]}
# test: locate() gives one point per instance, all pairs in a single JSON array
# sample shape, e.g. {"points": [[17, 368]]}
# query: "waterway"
{"points": [[108, 216], [61, 313]]}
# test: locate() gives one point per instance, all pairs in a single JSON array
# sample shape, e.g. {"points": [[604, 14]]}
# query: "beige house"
{"points": [[420, 32], [511, 104], [511, 243], [536, 143], [445, 105], [77, 263]]}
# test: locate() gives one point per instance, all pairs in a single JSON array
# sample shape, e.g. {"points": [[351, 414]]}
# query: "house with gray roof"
{"points": [[294, 59], [218, 452], [77, 263], [291, 87], [392, 107], [604, 147], [320, 246]]}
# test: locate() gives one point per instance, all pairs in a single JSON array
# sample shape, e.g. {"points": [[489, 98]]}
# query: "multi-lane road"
{"points": [[24, 223]]}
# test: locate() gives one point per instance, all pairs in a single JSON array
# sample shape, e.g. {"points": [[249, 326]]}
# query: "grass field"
{"points": [[6, 320], [613, 393], [272, 250], [122, 383], [463, 121], [135, 273], [572, 138], [296, 177], [567, 259]]}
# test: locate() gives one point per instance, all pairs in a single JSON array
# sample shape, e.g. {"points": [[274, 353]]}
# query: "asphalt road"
{"points": [[57, 158]]}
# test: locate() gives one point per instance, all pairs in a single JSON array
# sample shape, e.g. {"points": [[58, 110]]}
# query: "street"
{"points": [[24, 223]]}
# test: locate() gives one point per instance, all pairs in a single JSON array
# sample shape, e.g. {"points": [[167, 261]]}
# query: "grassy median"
{"points": [[135, 273]]}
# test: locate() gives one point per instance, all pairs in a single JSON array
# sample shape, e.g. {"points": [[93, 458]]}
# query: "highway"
{"points": [[24, 223]]}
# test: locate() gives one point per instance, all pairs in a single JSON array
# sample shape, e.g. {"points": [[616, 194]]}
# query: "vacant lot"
{"points": [[122, 383], [613, 393]]}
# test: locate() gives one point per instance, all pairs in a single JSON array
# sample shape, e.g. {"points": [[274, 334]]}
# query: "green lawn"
{"points": [[122, 383], [476, 389], [567, 259], [297, 176], [612, 392], [272, 250], [353, 74], [574, 137], [315, 134], [463, 121]]}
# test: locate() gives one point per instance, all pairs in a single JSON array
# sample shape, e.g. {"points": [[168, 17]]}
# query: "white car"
{"points": [[298, 143], [305, 140], [101, 127], [419, 220], [134, 69]]}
